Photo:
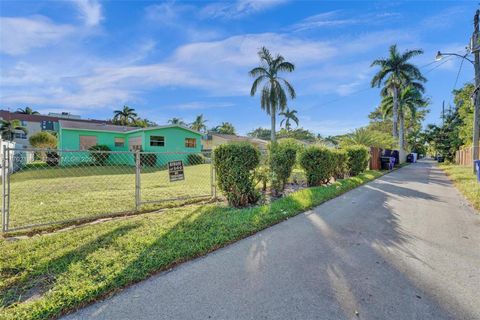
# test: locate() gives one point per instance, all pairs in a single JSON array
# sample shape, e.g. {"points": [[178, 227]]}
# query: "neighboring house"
{"points": [[175, 141], [213, 139], [37, 123]]}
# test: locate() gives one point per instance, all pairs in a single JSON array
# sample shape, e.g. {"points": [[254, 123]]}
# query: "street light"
{"points": [[441, 55]]}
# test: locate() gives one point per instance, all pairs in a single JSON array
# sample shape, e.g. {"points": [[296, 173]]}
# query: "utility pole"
{"points": [[443, 113], [476, 101]]}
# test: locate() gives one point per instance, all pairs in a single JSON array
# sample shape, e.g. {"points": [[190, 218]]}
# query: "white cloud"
{"points": [[90, 11], [237, 9], [19, 35]]}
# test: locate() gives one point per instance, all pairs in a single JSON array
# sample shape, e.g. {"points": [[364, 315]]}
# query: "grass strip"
{"points": [[465, 181], [45, 276]]}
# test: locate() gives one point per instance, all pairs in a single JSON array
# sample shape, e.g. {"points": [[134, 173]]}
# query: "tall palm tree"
{"points": [[177, 121], [9, 128], [125, 116], [395, 73], [26, 110], [275, 88], [199, 124], [409, 100], [288, 115]]}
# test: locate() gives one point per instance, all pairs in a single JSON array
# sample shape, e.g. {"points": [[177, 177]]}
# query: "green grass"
{"points": [[69, 269], [465, 181], [45, 194]]}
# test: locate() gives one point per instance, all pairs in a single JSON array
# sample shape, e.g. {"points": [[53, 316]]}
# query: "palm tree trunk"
{"points": [[401, 137], [395, 113], [272, 134]]}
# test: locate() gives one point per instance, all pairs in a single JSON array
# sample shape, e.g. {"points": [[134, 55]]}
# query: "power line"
{"points": [[368, 88]]}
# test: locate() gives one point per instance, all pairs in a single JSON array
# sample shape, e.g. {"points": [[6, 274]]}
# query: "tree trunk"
{"points": [[272, 134], [395, 113], [401, 138]]}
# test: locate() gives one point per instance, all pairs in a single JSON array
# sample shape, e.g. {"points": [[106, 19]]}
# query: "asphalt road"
{"points": [[406, 246]]}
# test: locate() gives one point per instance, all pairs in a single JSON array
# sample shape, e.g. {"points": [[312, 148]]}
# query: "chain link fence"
{"points": [[44, 187]]}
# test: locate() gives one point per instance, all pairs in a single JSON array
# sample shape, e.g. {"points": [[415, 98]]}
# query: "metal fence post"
{"points": [[5, 202], [212, 179], [137, 180]]}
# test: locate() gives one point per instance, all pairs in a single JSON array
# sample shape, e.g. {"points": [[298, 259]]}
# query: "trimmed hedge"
{"points": [[282, 158], [318, 163], [234, 166], [341, 164], [358, 157]]}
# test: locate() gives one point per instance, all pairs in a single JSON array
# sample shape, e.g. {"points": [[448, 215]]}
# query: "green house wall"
{"points": [[174, 149]]}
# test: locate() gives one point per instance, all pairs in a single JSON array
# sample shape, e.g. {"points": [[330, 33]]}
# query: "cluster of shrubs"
{"points": [[238, 167]]}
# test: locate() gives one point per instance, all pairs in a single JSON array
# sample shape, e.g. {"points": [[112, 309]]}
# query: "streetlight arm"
{"points": [[441, 54]]}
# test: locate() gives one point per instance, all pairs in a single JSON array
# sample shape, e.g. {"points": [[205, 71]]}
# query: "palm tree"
{"points": [[124, 116], [26, 110], [225, 128], [289, 115], [273, 97], [395, 73], [177, 121], [409, 99], [9, 128], [199, 124]]}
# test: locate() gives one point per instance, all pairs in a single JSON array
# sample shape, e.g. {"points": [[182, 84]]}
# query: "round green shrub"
{"points": [[99, 158], [318, 163], [358, 157], [341, 163], [282, 158], [234, 167]]}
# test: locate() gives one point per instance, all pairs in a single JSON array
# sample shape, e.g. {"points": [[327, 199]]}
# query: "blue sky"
{"points": [[180, 59]]}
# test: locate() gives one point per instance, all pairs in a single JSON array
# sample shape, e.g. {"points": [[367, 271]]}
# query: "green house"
{"points": [[171, 142]]}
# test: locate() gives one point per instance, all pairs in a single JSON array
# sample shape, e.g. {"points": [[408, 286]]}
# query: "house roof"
{"points": [[8, 115], [68, 124], [233, 137]]}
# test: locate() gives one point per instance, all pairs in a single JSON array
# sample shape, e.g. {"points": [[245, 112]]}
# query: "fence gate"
{"points": [[44, 187]]}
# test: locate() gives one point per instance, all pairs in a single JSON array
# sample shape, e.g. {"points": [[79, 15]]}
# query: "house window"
{"points": [[190, 142], [87, 141], [47, 125], [119, 142], [157, 141], [20, 135], [135, 143], [24, 123]]}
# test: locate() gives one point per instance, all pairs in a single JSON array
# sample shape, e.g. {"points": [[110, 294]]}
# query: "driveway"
{"points": [[405, 246]]}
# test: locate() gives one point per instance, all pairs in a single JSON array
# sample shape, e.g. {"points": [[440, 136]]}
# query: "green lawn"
{"points": [[45, 194], [45, 276], [465, 181]]}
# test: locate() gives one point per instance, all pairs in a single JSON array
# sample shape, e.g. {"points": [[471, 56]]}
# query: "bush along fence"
{"points": [[240, 168], [43, 187]]}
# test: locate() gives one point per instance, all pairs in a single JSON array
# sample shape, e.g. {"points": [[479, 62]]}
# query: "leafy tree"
{"points": [[177, 121], [299, 134], [396, 73], [125, 116], [26, 110], [43, 139], [275, 88], [464, 106], [224, 128], [289, 115], [199, 124], [8, 128], [260, 133]]}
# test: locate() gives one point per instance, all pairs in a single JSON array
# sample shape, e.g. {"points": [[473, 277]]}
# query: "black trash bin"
{"points": [[410, 158]]}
